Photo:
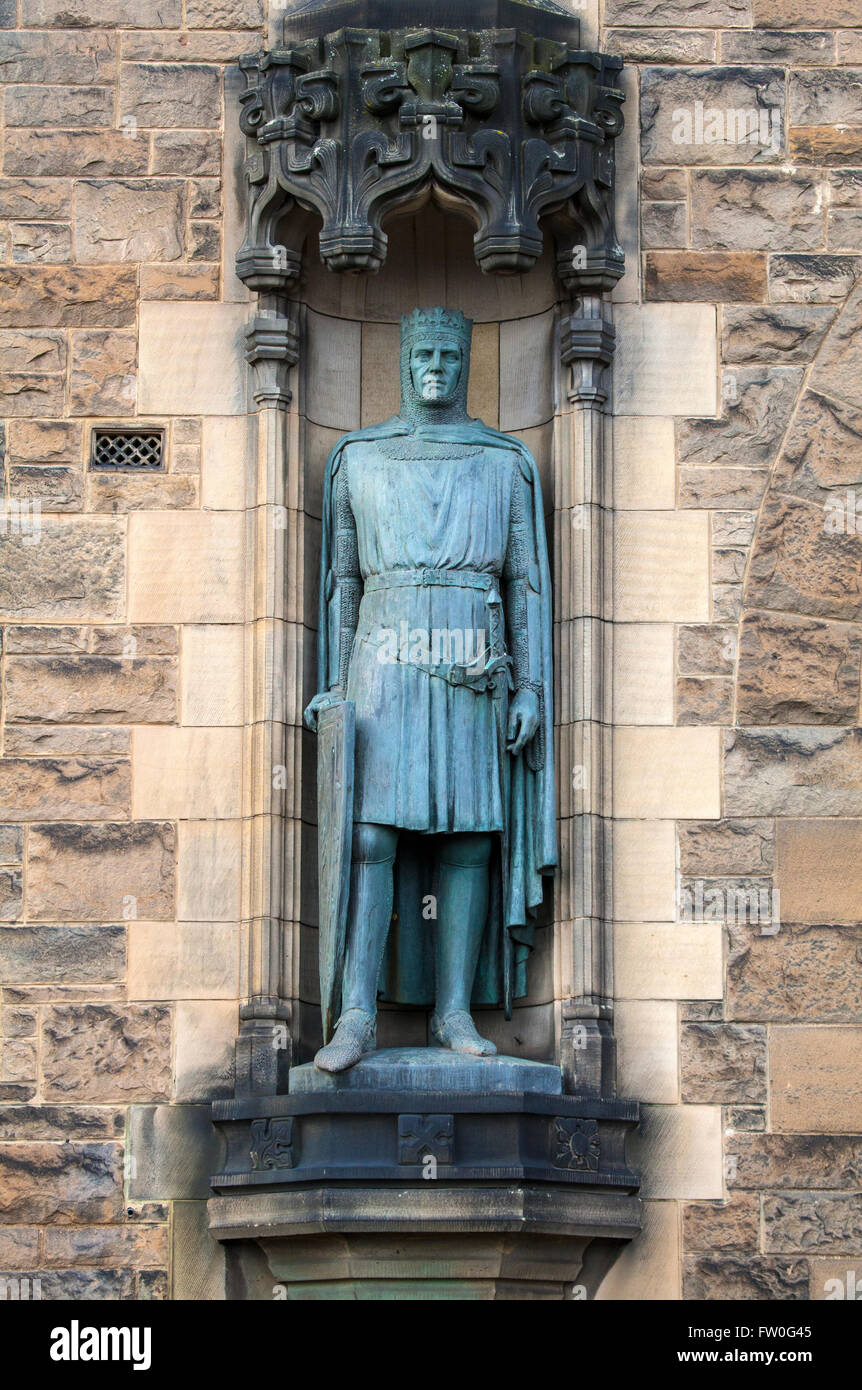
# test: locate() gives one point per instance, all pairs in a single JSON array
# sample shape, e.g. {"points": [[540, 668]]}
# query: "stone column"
{"points": [[273, 702], [583, 543]]}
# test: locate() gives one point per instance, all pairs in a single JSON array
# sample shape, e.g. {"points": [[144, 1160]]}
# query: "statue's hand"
{"points": [[523, 719], [322, 701]]}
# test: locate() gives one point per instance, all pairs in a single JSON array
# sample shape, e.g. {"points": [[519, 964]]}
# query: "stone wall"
{"points": [[122, 639], [124, 767], [739, 383]]}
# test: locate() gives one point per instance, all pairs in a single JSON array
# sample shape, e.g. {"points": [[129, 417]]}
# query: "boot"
{"points": [[462, 910]]}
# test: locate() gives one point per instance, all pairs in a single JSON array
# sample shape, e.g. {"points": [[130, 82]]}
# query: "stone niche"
{"points": [[388, 165]]}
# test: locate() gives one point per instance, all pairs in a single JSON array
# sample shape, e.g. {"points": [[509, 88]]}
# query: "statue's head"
{"points": [[435, 362]]}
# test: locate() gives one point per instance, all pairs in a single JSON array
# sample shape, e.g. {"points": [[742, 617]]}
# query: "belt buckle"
{"points": [[426, 578]]}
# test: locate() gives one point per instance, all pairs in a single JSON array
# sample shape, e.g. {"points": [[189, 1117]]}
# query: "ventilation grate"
{"points": [[121, 449]]}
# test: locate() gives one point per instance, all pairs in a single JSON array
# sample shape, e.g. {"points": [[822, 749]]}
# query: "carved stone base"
{"points": [[491, 1193]]}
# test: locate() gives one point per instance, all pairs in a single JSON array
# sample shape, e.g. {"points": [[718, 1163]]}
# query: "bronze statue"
{"points": [[436, 646]]}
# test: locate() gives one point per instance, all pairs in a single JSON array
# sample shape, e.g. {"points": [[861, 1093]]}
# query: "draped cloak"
{"points": [[523, 799]]}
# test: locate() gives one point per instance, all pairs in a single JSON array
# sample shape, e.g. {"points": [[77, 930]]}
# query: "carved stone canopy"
{"points": [[508, 125]]}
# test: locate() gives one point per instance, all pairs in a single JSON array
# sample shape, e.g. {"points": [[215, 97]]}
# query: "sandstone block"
{"points": [[730, 1225], [661, 567], [103, 373], [709, 97], [678, 1149], [186, 151], [816, 870], [118, 220], [107, 492], [77, 296], [186, 567], [185, 960], [666, 359], [86, 153], [820, 279], [798, 671], [801, 973], [798, 565], [192, 359], [171, 94], [64, 788], [816, 1080], [130, 1247], [107, 1052], [743, 1278], [721, 276], [722, 1062], [725, 848], [82, 953], [61, 1184], [99, 872], [704, 700], [187, 773], [668, 961]]}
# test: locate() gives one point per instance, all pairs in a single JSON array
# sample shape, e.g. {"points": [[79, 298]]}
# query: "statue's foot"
{"points": [[457, 1031], [355, 1034]]}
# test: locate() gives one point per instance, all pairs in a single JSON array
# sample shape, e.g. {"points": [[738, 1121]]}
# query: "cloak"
{"points": [[526, 851]]}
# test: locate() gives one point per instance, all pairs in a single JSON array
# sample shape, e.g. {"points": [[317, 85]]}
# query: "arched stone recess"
{"points": [[371, 152]]}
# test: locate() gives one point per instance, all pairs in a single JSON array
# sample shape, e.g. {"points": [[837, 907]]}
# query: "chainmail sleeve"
{"points": [[345, 582], [522, 603]]}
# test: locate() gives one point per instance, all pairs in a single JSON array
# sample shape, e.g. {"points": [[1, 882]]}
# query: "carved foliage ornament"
{"points": [[357, 123]]}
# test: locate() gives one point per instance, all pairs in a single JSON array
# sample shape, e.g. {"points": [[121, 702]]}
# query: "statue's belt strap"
{"points": [[425, 578]]}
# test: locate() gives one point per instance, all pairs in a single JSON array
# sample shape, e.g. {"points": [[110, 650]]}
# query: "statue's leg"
{"points": [[462, 910], [369, 915]]}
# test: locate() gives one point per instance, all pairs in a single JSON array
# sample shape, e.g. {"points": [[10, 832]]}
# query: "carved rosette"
{"points": [[510, 126]]}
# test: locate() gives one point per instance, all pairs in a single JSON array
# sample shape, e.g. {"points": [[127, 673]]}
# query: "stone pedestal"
{"points": [[422, 1174]]}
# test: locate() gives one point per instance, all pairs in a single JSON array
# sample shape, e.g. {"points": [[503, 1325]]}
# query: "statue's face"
{"points": [[435, 368]]}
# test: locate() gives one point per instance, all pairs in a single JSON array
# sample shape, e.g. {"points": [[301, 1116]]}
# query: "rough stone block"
{"points": [[53, 296], [722, 1062], [118, 220], [170, 94], [725, 848], [708, 115], [801, 973], [821, 279], [64, 788], [798, 671], [61, 1184], [741, 1278], [59, 153], [91, 690], [99, 872], [798, 564], [107, 1052], [774, 332], [722, 276], [730, 1225]]}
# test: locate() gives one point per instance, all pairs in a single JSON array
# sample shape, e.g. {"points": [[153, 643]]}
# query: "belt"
{"points": [[424, 578]]}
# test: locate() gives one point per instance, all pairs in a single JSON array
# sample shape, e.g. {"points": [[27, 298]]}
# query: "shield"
{"points": [[336, 728]]}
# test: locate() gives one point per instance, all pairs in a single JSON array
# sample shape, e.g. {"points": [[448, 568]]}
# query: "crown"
{"points": [[437, 320]]}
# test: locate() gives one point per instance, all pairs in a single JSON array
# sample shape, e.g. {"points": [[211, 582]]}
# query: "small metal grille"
{"points": [[121, 449]]}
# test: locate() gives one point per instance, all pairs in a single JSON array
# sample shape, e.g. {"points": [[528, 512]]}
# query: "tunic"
{"points": [[428, 753]]}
